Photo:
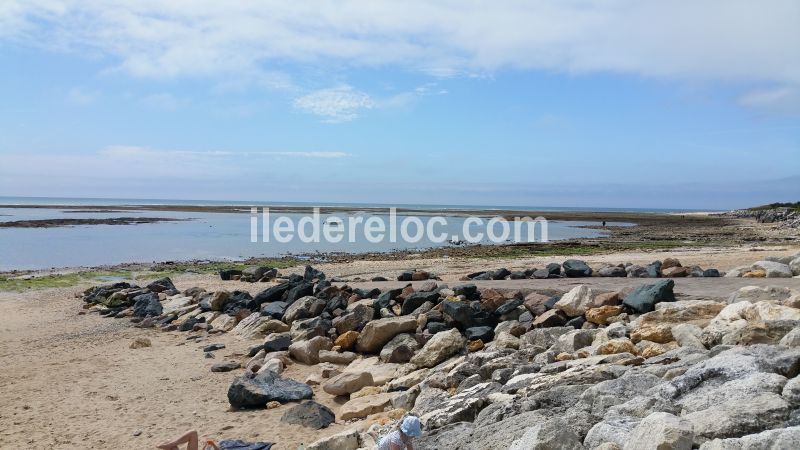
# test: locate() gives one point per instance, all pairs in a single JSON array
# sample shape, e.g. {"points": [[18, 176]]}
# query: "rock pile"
{"points": [[574, 268], [498, 368], [770, 267], [786, 217]]}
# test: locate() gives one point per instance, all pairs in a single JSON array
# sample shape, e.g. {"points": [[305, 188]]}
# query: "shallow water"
{"points": [[215, 236]]}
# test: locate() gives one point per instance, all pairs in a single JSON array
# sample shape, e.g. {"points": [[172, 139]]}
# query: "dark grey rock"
{"points": [[542, 273], [228, 274], [553, 269], [644, 298], [384, 300], [272, 294], [276, 310], [311, 274], [508, 306], [500, 274], [436, 327], [255, 391], [484, 333], [574, 268], [163, 285], [277, 342], [470, 291], [226, 366], [416, 300], [654, 269], [147, 305], [238, 301], [299, 290], [309, 414], [614, 271]]}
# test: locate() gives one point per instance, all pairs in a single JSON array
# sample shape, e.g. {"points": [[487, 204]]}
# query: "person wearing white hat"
{"points": [[402, 438]]}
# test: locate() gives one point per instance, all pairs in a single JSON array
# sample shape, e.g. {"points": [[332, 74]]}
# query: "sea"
{"points": [[220, 236]]}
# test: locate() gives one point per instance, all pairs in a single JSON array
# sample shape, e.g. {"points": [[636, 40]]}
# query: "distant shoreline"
{"points": [[609, 216]]}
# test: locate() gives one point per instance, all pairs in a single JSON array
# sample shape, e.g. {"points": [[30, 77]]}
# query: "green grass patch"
{"points": [[790, 205], [212, 267], [32, 282], [539, 250], [24, 283]]}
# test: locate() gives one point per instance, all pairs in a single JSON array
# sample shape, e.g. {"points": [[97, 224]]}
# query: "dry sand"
{"points": [[70, 381]]}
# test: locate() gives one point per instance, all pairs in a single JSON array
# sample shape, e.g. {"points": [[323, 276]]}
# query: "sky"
{"points": [[680, 104]]}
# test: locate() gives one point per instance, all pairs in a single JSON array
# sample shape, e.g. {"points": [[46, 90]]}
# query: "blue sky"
{"points": [[685, 104]]}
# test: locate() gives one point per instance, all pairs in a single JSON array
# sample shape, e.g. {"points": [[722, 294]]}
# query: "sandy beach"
{"points": [[70, 379]]}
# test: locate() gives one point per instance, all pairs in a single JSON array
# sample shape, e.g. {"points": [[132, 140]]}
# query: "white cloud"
{"points": [[132, 151], [683, 39], [784, 99], [345, 103], [338, 104]]}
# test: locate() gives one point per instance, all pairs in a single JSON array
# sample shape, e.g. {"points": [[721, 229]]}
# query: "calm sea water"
{"points": [[215, 236]]}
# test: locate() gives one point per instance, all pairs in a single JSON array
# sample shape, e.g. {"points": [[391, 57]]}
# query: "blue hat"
{"points": [[411, 426]]}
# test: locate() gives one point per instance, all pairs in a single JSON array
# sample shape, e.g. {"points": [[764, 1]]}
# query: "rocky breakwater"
{"points": [[785, 217], [574, 268], [769, 267], [500, 368]]}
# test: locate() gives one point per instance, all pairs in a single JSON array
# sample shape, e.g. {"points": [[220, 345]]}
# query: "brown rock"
{"points": [[656, 325], [675, 272], [755, 274], [551, 318], [563, 356], [601, 314], [652, 349], [616, 346], [420, 275], [607, 299], [656, 333], [365, 391], [535, 303], [475, 345], [408, 290], [669, 263], [347, 340], [491, 299]]}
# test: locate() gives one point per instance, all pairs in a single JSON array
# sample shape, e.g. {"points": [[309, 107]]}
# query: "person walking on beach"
{"points": [[403, 437]]}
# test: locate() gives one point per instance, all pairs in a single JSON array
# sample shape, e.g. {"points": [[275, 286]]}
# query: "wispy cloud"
{"points": [[131, 151], [707, 39], [338, 104], [345, 103], [785, 99]]}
